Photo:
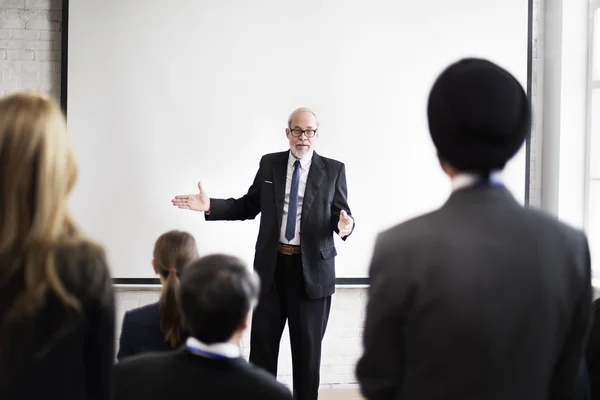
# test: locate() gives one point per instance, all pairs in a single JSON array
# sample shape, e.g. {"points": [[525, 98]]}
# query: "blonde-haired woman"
{"points": [[56, 298]]}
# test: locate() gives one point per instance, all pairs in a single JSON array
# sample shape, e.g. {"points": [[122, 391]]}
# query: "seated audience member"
{"points": [[217, 294], [482, 298], [57, 333], [157, 327]]}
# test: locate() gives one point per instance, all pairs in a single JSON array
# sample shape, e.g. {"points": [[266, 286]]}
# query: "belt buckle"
{"points": [[286, 250]]}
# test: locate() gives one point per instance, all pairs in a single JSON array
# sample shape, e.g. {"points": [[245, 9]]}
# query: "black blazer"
{"points": [[324, 198], [182, 375], [481, 299], [79, 364], [141, 333]]}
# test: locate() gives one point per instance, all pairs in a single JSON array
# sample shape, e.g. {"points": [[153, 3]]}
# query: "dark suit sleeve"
{"points": [[246, 207], [125, 349], [566, 371], [379, 370], [340, 201]]}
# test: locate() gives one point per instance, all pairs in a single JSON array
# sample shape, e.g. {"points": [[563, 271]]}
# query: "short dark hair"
{"points": [[216, 294], [479, 115]]}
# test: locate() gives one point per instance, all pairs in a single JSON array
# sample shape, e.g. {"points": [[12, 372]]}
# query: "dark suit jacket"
{"points": [[141, 333], [79, 363], [324, 198], [481, 299], [182, 375]]}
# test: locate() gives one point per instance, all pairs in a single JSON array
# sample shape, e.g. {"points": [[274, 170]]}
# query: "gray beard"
{"points": [[298, 153]]}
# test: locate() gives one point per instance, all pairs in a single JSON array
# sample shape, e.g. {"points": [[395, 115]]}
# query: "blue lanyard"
{"points": [[204, 353]]}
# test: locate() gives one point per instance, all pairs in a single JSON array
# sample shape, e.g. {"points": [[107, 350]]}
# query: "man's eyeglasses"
{"points": [[308, 132]]}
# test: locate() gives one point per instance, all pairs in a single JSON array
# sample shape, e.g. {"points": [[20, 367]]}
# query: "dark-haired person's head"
{"points": [[479, 116], [217, 293]]}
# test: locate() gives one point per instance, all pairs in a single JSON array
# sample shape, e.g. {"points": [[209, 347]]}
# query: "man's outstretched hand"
{"points": [[196, 202], [345, 224]]}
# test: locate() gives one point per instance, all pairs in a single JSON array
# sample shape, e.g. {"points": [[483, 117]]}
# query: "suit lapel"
{"points": [[313, 182], [279, 176]]}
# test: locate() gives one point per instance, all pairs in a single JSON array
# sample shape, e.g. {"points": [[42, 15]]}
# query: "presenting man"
{"points": [[303, 200]]}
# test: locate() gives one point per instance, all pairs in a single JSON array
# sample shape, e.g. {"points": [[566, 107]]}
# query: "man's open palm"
{"points": [[196, 202]]}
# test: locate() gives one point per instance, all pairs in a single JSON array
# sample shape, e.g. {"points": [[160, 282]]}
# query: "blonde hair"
{"points": [[37, 172]]}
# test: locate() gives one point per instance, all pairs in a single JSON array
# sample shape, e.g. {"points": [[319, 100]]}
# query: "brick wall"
{"points": [[30, 45]]}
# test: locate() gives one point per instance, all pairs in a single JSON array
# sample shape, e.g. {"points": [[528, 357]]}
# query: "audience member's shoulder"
{"points": [[271, 387], [549, 223], [413, 229], [145, 359], [84, 264], [142, 316], [82, 251], [143, 365]]}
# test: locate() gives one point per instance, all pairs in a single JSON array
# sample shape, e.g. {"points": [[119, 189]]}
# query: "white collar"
{"points": [[215, 350], [464, 179], [304, 161]]}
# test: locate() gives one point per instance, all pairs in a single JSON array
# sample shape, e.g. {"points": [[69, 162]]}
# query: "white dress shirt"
{"points": [[464, 180], [226, 350], [305, 163]]}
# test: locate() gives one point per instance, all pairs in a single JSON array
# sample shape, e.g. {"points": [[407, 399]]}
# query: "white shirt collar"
{"points": [[464, 180], [227, 350], [304, 161]]}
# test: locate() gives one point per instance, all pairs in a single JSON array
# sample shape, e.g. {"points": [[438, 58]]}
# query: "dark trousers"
{"points": [[307, 321]]}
